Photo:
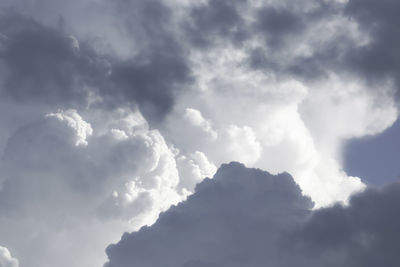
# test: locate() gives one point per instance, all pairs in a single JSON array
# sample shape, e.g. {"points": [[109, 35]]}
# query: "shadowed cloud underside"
{"points": [[248, 217]]}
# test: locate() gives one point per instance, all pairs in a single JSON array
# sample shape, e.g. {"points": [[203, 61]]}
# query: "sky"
{"points": [[204, 133], [374, 158]]}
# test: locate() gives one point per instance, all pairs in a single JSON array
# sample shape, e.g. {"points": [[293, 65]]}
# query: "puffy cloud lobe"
{"points": [[195, 118], [70, 179], [73, 120], [231, 220], [193, 169], [219, 144], [249, 217], [6, 260], [279, 126]]}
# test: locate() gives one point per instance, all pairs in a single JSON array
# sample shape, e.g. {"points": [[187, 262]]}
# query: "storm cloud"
{"points": [[42, 64], [249, 217], [112, 111], [364, 233], [379, 60], [231, 220], [45, 65]]}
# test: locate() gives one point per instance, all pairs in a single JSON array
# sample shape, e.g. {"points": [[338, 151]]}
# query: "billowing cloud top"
{"points": [[6, 260], [112, 111], [248, 217]]}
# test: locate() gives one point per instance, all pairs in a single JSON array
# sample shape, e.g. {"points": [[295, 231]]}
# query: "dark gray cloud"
{"points": [[152, 81], [160, 68], [365, 233], [247, 217], [380, 59], [216, 19], [374, 62], [40, 62], [284, 29], [44, 64], [277, 23], [231, 220]]}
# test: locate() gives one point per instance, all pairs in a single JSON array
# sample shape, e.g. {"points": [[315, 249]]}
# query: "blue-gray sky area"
{"points": [[375, 158], [209, 133]]}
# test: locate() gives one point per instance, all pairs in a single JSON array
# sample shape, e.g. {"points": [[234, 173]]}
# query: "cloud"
{"points": [[231, 220], [307, 39], [192, 170], [44, 64], [113, 111], [312, 39], [215, 19], [281, 126], [72, 176], [277, 23], [73, 120], [159, 67], [249, 217], [364, 233], [6, 260], [377, 60]]}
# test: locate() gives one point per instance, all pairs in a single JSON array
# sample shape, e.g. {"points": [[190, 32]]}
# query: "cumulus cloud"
{"points": [[249, 217], [6, 260], [231, 216], [193, 168], [72, 179], [114, 110], [73, 120]]}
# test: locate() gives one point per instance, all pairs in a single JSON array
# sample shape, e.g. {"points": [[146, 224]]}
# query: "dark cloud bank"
{"points": [[248, 217], [281, 26], [43, 64]]}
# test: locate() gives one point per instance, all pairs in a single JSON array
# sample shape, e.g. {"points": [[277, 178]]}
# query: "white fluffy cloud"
{"points": [[71, 178], [82, 129], [6, 260], [292, 126]]}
